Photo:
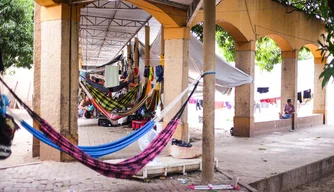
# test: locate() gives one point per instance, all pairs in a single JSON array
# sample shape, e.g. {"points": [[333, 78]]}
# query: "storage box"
{"points": [[137, 124]]}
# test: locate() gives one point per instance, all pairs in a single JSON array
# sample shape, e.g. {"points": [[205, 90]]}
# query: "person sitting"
{"points": [[289, 110], [85, 108]]}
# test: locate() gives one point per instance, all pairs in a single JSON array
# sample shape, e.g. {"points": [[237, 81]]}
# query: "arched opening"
{"points": [[305, 85], [267, 80], [226, 36]]}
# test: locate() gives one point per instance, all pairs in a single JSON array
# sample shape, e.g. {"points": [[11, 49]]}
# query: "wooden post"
{"points": [[147, 46], [162, 54], [136, 58], [209, 91], [37, 76]]}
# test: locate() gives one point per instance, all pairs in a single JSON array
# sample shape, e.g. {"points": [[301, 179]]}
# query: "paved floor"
{"points": [[251, 159], [20, 172]]}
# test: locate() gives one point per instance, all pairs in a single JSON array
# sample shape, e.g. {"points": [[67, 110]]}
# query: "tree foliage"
{"points": [[16, 32], [324, 10]]}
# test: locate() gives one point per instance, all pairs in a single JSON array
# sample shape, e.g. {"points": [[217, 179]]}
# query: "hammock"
{"points": [[99, 104], [99, 150], [106, 102], [124, 169], [105, 149], [104, 90]]}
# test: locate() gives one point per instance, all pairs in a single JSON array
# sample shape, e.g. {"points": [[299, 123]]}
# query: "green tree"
{"points": [[16, 32], [323, 9]]}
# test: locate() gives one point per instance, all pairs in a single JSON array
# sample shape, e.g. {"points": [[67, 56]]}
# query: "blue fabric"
{"points": [[99, 150], [159, 72], [4, 102], [286, 116]]}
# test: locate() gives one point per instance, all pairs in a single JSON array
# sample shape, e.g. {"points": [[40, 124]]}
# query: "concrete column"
{"points": [[319, 93], [209, 59], [59, 73], [244, 94], [176, 74], [289, 80], [37, 75]]}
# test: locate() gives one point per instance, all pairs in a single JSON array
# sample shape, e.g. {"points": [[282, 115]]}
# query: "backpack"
{"points": [[104, 122]]}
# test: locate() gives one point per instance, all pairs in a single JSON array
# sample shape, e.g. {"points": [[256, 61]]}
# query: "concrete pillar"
{"points": [[37, 75], [59, 73], [176, 74], [209, 59], [319, 93], [244, 94], [289, 80]]}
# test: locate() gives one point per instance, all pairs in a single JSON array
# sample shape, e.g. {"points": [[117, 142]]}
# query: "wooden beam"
{"points": [[193, 10]]}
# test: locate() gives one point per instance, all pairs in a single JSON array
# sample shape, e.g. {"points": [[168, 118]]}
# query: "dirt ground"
{"points": [[324, 184]]}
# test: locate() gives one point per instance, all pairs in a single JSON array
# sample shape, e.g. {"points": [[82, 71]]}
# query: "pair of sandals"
{"points": [[180, 143]]}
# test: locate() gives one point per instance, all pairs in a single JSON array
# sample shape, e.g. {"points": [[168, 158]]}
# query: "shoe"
{"points": [[180, 143], [291, 130]]}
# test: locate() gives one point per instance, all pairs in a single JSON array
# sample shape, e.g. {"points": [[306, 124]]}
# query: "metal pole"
{"points": [[208, 137]]}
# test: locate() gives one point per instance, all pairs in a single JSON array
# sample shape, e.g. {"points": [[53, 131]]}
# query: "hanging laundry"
{"points": [[136, 70], [162, 59], [159, 73], [263, 90], [151, 76], [148, 87], [307, 94], [111, 76], [4, 102], [299, 97], [147, 71]]}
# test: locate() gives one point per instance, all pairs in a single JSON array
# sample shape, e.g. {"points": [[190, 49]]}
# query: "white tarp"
{"points": [[227, 76]]}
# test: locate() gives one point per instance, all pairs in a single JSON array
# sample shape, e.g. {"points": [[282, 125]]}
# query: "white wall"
{"points": [[24, 80]]}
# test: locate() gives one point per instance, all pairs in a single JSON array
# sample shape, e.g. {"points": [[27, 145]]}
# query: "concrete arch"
{"points": [[168, 16], [236, 34], [257, 18], [282, 43], [314, 50]]}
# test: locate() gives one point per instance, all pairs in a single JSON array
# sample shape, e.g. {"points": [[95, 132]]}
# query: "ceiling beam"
{"points": [[105, 21], [112, 5], [194, 7], [170, 3]]}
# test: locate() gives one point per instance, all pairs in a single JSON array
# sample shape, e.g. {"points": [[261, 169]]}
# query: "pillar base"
{"points": [[243, 126], [73, 138], [36, 145], [48, 153], [323, 112]]}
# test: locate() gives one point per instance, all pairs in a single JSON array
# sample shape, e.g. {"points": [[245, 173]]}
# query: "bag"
{"points": [[104, 122], [88, 114]]}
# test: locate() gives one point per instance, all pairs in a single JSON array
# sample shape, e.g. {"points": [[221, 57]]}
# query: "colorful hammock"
{"points": [[99, 150], [108, 103], [110, 115], [124, 169], [105, 90]]}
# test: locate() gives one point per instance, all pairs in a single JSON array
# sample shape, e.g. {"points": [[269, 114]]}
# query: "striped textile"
{"points": [[123, 170], [114, 117], [152, 102], [107, 102]]}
